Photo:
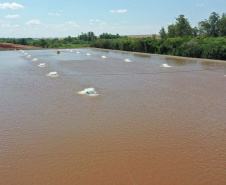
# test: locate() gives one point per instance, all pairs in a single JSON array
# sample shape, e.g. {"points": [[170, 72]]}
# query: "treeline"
{"points": [[198, 47], [109, 36], [208, 40], [212, 27], [83, 40], [68, 42]]}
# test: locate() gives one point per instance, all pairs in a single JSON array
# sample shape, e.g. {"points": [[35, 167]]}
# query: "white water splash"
{"points": [[35, 60], [53, 74], [165, 65], [127, 60], [42, 65], [89, 91]]}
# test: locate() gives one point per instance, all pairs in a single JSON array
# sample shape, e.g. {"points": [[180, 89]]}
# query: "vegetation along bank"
{"points": [[207, 40]]}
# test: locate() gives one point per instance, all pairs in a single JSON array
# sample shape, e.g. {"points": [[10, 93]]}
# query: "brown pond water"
{"points": [[148, 126]]}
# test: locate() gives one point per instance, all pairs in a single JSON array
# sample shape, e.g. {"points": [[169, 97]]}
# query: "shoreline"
{"points": [[22, 47], [166, 56], [13, 47]]}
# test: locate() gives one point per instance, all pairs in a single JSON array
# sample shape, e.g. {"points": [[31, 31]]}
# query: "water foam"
{"points": [[89, 91], [104, 57], [127, 60], [35, 60], [42, 65], [53, 74], [165, 65]]}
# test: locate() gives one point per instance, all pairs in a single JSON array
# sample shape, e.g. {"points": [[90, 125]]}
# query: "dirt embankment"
{"points": [[9, 46]]}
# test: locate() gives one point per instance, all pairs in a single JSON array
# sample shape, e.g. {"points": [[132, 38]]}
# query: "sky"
{"points": [[61, 18]]}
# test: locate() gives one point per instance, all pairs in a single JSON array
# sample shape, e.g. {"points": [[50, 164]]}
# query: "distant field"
{"points": [[140, 36]]}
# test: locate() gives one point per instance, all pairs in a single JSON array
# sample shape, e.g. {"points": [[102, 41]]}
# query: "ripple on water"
{"points": [[149, 126]]}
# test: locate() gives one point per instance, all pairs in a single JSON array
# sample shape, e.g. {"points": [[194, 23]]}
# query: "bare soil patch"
{"points": [[9, 46]]}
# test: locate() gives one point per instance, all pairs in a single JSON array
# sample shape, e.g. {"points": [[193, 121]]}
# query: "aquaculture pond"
{"points": [[111, 118]]}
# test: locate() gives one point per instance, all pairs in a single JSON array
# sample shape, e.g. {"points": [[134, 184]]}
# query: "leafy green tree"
{"points": [[69, 39], [125, 45], [22, 41], [163, 33], [139, 45], [83, 36], [109, 36], [172, 31], [222, 25], [43, 43], [195, 31], [210, 27], [183, 27], [204, 27], [213, 21], [91, 36], [88, 37], [192, 49]]}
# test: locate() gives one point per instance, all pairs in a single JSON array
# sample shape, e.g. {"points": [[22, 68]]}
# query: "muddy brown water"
{"points": [[149, 125]]}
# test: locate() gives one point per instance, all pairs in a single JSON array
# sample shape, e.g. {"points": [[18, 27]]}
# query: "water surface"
{"points": [[149, 125]]}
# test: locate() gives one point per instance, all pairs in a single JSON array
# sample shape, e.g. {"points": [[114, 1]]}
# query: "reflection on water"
{"points": [[143, 55], [180, 61], [150, 125]]}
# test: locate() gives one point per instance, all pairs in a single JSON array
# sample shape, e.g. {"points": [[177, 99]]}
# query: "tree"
{"points": [[210, 27], [109, 36], [213, 20], [162, 33], [139, 45], [91, 36], [204, 27], [84, 37], [22, 41], [222, 25], [43, 43], [171, 31], [183, 27], [195, 31], [192, 49], [69, 39]]}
